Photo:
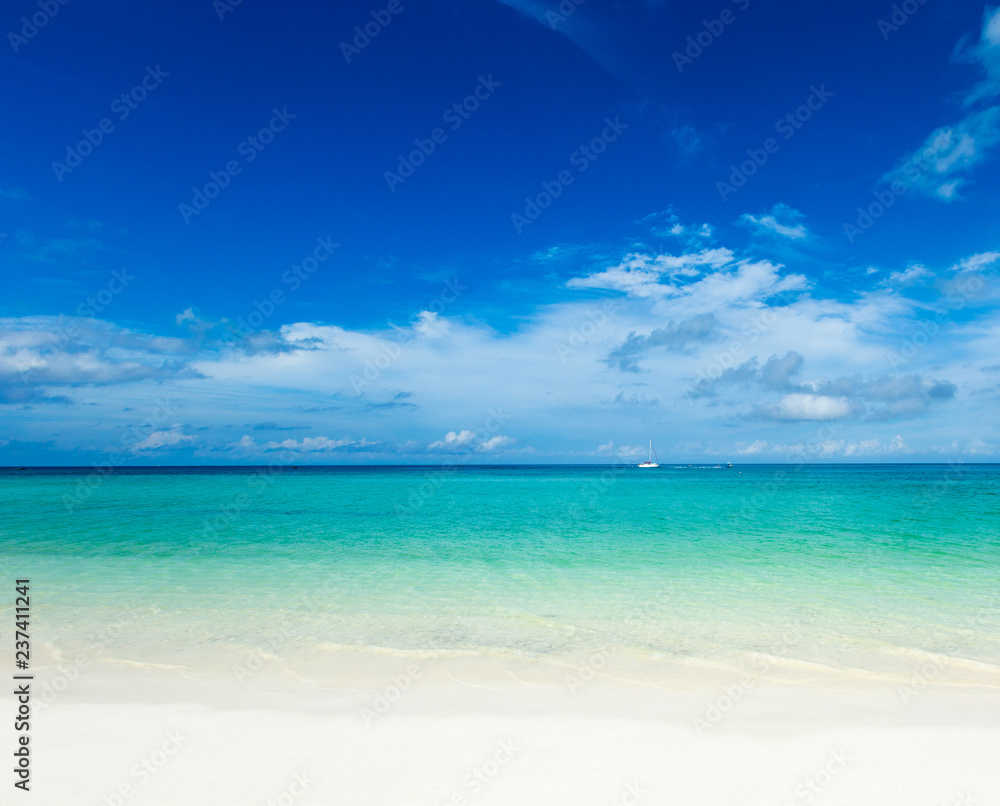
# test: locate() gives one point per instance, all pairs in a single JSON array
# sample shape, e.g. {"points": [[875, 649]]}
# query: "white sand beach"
{"points": [[427, 737]]}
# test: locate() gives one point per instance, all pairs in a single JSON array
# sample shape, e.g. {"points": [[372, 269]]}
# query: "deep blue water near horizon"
{"points": [[871, 567]]}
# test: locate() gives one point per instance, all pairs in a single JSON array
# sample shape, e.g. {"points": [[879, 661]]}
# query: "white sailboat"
{"points": [[652, 453]]}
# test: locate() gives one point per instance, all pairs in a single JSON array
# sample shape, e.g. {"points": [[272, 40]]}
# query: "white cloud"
{"points": [[983, 260], [247, 444], [979, 447], [42, 354], [801, 406], [493, 443], [640, 275], [940, 167], [756, 447], [316, 444], [454, 439], [471, 441], [157, 440], [553, 372], [820, 448], [986, 54], [781, 220], [909, 276], [687, 141]]}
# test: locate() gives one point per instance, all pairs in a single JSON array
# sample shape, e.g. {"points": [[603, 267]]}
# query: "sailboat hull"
{"points": [[652, 454]]}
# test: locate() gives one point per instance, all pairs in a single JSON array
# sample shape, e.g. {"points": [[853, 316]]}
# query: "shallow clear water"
{"points": [[857, 567]]}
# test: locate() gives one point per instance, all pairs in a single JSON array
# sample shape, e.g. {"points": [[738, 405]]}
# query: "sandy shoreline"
{"points": [[147, 736]]}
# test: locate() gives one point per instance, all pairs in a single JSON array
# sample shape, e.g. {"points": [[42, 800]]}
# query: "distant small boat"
{"points": [[652, 453], [729, 464]]}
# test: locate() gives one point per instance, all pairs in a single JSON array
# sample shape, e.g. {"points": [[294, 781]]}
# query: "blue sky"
{"points": [[514, 231]]}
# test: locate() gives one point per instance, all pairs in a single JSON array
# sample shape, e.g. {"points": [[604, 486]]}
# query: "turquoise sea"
{"points": [[867, 570]]}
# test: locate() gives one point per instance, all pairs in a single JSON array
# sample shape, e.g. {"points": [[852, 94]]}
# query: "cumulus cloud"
{"points": [[776, 373], [495, 443], [466, 440], [675, 336], [800, 406], [783, 350], [876, 398], [40, 354], [454, 439], [640, 275], [782, 220], [158, 440]]}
